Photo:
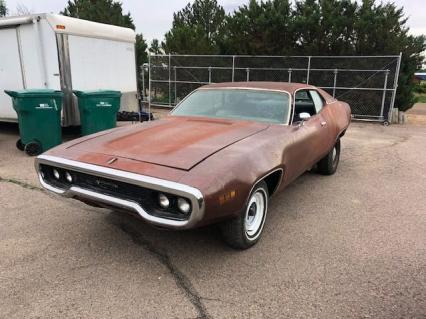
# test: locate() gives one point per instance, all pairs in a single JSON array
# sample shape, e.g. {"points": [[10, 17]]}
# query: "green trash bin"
{"points": [[98, 110], [39, 117]]}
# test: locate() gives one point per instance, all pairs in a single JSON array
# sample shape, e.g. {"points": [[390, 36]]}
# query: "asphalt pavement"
{"points": [[351, 245]]}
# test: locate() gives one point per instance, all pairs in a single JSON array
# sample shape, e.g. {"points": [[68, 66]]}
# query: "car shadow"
{"points": [[208, 238], [144, 234]]}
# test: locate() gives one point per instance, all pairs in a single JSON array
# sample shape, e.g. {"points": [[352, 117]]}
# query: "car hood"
{"points": [[177, 142]]}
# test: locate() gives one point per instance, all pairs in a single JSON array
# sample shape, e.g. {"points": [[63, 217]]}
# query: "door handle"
{"points": [[323, 123]]}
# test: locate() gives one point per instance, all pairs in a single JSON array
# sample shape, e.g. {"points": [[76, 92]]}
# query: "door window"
{"points": [[317, 99]]}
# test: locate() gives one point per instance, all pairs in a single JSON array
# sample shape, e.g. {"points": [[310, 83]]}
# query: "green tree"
{"points": [[260, 28], [3, 8], [141, 50], [312, 27], [197, 29], [331, 27], [155, 47], [103, 11], [381, 29], [324, 27], [109, 12]]}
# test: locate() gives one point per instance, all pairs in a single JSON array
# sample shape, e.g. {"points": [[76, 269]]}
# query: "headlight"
{"points": [[68, 177], [56, 174], [163, 201], [184, 205]]}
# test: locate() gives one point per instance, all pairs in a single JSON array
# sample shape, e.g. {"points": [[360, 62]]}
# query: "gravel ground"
{"points": [[352, 245]]}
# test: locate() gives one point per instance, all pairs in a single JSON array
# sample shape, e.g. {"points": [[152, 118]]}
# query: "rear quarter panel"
{"points": [[339, 113]]}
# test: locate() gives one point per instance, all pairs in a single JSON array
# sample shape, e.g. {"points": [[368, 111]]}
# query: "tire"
{"points": [[19, 145], [328, 165], [33, 148], [245, 230]]}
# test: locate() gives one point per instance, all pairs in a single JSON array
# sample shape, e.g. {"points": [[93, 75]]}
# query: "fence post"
{"points": [[309, 70], [174, 68], [289, 75], [143, 82], [248, 74], [210, 74], [395, 86], [149, 87], [385, 86], [170, 80], [334, 83], [233, 67]]}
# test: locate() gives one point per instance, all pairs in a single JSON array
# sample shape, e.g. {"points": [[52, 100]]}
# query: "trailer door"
{"points": [[11, 74], [104, 64]]}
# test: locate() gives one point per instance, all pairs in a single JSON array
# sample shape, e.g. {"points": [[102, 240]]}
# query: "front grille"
{"points": [[145, 197], [113, 188]]}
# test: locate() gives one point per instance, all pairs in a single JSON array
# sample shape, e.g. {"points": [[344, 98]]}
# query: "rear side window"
{"points": [[302, 95], [317, 99]]}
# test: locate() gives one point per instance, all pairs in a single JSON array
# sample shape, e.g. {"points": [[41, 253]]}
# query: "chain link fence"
{"points": [[367, 83]]}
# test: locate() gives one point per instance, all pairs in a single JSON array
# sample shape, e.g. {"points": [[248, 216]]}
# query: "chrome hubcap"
{"points": [[255, 214]]}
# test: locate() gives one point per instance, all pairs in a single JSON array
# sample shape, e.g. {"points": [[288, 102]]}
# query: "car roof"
{"points": [[280, 86]]}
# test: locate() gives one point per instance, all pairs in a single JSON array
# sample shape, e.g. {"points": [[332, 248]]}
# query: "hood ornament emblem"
{"points": [[112, 160]]}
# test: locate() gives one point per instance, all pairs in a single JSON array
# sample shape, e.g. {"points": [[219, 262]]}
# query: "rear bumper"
{"points": [[73, 191]]}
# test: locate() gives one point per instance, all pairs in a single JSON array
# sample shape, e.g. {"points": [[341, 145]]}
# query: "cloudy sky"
{"points": [[154, 18]]}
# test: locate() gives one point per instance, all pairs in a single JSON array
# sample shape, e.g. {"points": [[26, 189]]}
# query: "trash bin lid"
{"points": [[98, 93], [35, 93]]}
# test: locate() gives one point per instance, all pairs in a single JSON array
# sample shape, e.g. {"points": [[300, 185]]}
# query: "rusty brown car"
{"points": [[217, 157]]}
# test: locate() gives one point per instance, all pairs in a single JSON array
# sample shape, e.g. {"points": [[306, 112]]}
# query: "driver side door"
{"points": [[311, 141]]}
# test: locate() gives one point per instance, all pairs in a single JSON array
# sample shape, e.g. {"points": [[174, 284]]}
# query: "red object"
{"points": [[215, 163]]}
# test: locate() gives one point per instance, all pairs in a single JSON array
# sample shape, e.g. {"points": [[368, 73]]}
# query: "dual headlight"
{"points": [[170, 203], [166, 201], [58, 175]]}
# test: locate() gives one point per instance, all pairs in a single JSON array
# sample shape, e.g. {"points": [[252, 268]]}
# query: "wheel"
{"points": [[328, 165], [19, 145], [33, 148], [245, 230]]}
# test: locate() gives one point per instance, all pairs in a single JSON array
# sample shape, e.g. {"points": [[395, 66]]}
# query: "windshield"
{"points": [[242, 104]]}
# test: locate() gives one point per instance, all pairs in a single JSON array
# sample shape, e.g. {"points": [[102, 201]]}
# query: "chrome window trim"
{"points": [[313, 88], [290, 99], [294, 101], [324, 103], [193, 194]]}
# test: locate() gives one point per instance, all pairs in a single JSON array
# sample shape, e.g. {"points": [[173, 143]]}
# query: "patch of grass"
{"points": [[421, 98]]}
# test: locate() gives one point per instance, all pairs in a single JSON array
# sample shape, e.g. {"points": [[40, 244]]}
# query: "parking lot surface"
{"points": [[352, 245]]}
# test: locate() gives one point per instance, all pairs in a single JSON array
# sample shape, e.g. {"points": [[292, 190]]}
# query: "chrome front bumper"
{"points": [[161, 185]]}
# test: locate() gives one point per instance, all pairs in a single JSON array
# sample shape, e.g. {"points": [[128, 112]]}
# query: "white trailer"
{"points": [[62, 53]]}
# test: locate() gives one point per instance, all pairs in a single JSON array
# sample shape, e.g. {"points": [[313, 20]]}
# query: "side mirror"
{"points": [[304, 116]]}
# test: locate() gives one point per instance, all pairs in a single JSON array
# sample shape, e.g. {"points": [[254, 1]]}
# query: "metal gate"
{"points": [[367, 83]]}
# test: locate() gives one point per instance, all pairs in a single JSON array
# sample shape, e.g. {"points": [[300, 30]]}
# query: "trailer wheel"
{"points": [[19, 145], [33, 148]]}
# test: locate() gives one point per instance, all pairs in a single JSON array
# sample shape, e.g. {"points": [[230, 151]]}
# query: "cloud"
{"points": [[154, 18]]}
